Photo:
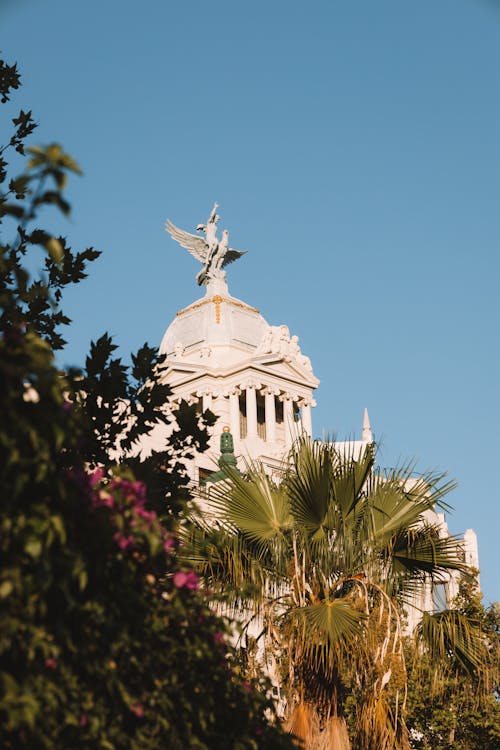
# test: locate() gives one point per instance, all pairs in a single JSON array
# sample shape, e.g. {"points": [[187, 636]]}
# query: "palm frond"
{"points": [[232, 564], [423, 550], [452, 638], [350, 478], [334, 735], [322, 629], [308, 483], [253, 505], [303, 723]]}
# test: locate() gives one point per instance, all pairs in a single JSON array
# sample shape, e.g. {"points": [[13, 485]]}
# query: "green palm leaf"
{"points": [[253, 505], [325, 630], [451, 636], [329, 621], [350, 478], [422, 549], [308, 484]]}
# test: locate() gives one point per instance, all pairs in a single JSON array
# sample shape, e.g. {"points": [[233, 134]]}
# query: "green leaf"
{"points": [[6, 587], [451, 635], [58, 524], [258, 509], [83, 579], [336, 620], [54, 198], [55, 249], [33, 548]]}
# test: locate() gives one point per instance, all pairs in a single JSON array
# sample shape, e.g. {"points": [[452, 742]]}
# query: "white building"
{"points": [[222, 354]]}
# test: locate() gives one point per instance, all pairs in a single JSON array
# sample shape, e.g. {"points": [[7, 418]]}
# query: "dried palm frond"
{"points": [[303, 723], [334, 735]]}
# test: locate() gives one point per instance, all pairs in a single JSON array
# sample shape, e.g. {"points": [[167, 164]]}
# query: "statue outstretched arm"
{"points": [[211, 218]]}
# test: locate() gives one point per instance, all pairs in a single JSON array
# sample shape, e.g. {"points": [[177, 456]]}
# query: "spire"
{"points": [[367, 430]]}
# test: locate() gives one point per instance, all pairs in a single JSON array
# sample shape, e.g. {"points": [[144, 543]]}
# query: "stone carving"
{"points": [[178, 350], [213, 253], [251, 383], [277, 340], [270, 391]]}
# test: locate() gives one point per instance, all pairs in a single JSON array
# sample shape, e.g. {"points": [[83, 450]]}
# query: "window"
{"points": [[440, 597]]}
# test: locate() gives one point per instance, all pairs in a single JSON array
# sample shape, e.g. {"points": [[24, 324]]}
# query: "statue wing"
{"points": [[232, 255], [197, 246]]}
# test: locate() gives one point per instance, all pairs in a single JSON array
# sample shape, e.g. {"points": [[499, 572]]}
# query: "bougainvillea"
{"points": [[107, 641]]}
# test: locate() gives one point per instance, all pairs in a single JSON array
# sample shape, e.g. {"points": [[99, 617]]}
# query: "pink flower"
{"points": [[147, 515], [192, 582], [218, 637], [96, 477], [137, 709], [247, 686], [140, 490], [51, 663], [83, 720], [187, 580], [124, 542], [168, 544]]}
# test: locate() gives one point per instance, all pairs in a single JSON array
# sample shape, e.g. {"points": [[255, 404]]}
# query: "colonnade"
{"points": [[276, 428], [291, 427]]}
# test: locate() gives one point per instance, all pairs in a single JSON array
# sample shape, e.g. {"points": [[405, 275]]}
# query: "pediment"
{"points": [[270, 369], [287, 369], [184, 368]]}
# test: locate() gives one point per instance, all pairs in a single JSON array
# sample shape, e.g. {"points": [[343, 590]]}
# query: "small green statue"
{"points": [[227, 457]]}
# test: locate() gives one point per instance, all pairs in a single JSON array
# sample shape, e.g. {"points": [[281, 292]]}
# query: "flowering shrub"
{"points": [[106, 641]]}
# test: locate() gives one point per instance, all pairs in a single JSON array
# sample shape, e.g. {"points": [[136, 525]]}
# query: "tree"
{"points": [[107, 641], [120, 404], [325, 560], [450, 708]]}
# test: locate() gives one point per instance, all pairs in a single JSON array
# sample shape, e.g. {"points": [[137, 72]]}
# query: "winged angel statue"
{"points": [[215, 254]]}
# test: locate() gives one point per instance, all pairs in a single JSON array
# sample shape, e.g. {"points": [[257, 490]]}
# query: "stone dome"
{"points": [[217, 324]]}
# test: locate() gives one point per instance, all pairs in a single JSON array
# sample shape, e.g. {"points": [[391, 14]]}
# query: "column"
{"points": [[234, 412], [207, 401], [288, 420], [306, 418], [251, 411], [270, 406]]}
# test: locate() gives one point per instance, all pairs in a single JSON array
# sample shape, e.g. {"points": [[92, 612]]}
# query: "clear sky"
{"points": [[354, 149]]}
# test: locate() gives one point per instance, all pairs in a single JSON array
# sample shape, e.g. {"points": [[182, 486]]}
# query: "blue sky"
{"points": [[354, 150]]}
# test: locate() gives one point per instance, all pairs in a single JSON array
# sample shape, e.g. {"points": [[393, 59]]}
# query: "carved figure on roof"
{"points": [[277, 340], [213, 253]]}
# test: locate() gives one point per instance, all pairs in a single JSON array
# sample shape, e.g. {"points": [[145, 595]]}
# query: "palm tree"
{"points": [[324, 560]]}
